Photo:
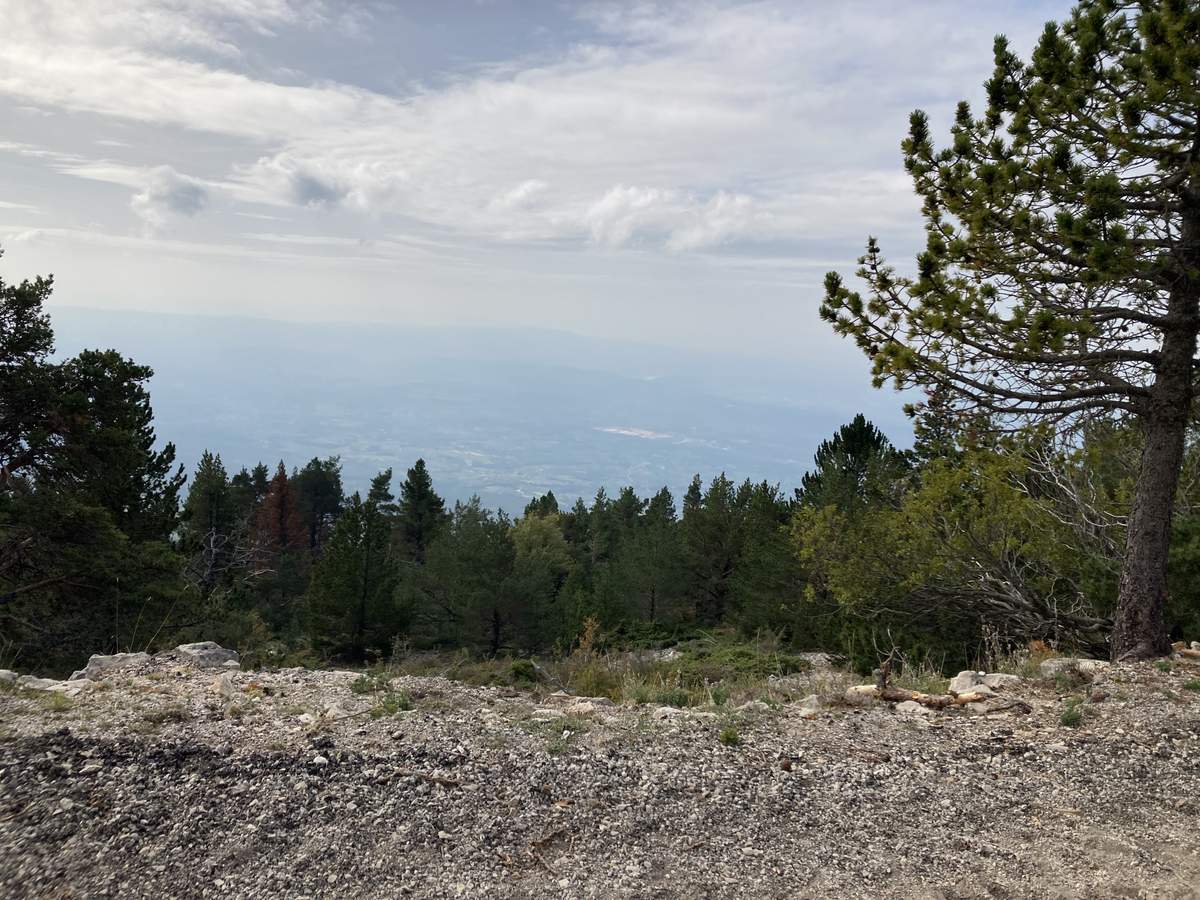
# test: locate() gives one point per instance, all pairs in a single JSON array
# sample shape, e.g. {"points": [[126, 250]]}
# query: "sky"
{"points": [[674, 173]]}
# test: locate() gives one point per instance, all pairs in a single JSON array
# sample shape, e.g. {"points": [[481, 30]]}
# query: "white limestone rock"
{"points": [[1066, 664], [914, 709], [206, 654], [100, 666], [1000, 681], [966, 682]]}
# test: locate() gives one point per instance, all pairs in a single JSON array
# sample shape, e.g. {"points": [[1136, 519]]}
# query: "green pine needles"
{"points": [[1060, 278]]}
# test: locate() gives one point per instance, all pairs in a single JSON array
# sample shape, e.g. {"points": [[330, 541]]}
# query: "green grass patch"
{"points": [[1078, 710], [56, 702], [729, 736], [389, 703]]}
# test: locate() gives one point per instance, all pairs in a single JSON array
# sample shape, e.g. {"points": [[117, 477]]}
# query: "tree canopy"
{"points": [[1060, 278]]}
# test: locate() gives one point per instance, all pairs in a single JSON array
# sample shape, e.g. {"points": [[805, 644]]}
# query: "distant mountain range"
{"points": [[504, 414]]}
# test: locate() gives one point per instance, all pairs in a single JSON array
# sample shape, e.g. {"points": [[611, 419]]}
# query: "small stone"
{"points": [[319, 760], [754, 706], [809, 707], [8, 676], [861, 694], [666, 712], [583, 708], [913, 708], [1000, 681], [223, 685], [443, 835], [66, 803], [965, 682]]}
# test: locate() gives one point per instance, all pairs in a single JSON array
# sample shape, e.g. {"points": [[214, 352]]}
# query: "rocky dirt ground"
{"points": [[163, 779]]}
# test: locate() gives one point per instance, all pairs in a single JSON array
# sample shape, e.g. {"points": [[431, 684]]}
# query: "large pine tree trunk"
{"points": [[1139, 629]]}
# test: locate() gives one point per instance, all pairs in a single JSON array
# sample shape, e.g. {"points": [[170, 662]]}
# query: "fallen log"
{"points": [[899, 695]]}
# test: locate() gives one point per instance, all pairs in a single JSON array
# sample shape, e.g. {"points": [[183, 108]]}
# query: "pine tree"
{"points": [[857, 466], [421, 513], [1059, 279], [712, 537], [209, 506], [465, 586], [318, 488], [109, 444], [27, 382], [936, 428], [86, 502], [545, 505], [658, 559], [278, 528], [260, 482], [766, 583], [351, 597]]}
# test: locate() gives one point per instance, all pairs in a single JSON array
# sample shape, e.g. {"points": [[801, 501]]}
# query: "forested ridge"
{"points": [[1050, 324], [107, 544]]}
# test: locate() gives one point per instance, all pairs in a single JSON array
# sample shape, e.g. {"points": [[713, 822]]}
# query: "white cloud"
{"points": [[523, 196], [681, 126], [166, 195], [622, 210]]}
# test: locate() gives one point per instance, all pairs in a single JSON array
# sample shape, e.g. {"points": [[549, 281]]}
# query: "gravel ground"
{"points": [[168, 781]]}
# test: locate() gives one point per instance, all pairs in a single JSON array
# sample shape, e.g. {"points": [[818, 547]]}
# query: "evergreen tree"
{"points": [[381, 494], [209, 506], [27, 382], [351, 597], [281, 541], [936, 428], [86, 503], [260, 481], [767, 583], [857, 466], [1059, 277], [541, 565], [421, 513], [657, 560], [278, 527], [545, 505], [712, 538], [318, 489], [109, 445], [464, 585]]}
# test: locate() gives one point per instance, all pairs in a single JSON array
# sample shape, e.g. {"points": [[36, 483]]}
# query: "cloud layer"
{"points": [[679, 127]]}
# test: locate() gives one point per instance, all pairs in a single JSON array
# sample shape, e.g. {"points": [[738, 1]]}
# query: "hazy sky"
{"points": [[674, 173]]}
